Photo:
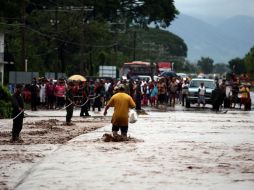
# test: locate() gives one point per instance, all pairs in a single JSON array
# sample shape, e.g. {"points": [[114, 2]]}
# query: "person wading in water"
{"points": [[121, 103]]}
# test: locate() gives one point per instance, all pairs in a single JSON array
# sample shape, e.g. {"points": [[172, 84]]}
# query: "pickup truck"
{"points": [[192, 96]]}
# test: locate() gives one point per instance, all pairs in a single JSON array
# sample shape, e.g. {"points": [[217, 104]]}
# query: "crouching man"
{"points": [[121, 103]]}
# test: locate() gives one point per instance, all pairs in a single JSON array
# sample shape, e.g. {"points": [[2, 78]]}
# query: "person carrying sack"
{"points": [[121, 103]]}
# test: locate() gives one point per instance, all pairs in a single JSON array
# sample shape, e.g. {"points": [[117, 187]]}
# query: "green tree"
{"points": [[205, 65], [249, 63], [153, 45], [5, 102], [141, 12], [237, 66], [59, 38], [10, 9], [189, 67], [220, 68]]}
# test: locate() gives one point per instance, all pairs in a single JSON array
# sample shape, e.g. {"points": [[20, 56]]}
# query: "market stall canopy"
{"points": [[77, 78]]}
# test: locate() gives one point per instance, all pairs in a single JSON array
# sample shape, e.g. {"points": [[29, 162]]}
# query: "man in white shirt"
{"points": [[201, 94], [184, 91]]}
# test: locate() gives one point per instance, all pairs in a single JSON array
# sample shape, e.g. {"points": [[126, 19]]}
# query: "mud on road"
{"points": [[40, 137], [192, 149], [52, 131]]}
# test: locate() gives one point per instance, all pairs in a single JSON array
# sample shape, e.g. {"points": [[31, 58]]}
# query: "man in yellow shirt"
{"points": [[245, 96], [121, 103]]}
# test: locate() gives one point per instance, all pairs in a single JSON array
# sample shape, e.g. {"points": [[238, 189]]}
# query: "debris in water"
{"points": [[109, 138], [141, 112]]}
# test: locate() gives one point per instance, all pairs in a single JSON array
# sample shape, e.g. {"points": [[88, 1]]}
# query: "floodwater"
{"points": [[178, 149]]}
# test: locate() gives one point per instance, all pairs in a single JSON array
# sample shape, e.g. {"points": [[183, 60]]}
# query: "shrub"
{"points": [[5, 103]]}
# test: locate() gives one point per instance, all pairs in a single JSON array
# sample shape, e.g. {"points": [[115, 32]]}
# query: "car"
{"points": [[96, 78], [182, 75], [192, 96], [142, 77]]}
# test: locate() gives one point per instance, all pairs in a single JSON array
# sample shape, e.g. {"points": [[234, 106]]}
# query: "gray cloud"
{"points": [[216, 8]]}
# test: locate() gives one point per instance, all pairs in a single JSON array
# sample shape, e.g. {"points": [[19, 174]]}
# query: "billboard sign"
{"points": [[107, 71]]}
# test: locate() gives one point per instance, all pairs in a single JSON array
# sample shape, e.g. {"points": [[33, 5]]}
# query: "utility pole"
{"points": [[84, 68], [116, 28], [22, 28], [85, 20], [134, 45], [57, 48], [82, 40]]}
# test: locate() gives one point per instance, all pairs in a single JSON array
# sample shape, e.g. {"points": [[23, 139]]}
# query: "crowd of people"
{"points": [[87, 95], [166, 91], [49, 94]]}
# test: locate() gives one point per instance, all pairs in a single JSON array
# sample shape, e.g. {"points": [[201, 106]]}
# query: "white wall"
{"points": [[1, 44], [1, 73], [1, 57]]}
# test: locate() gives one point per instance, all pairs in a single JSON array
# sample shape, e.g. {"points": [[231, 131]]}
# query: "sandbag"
{"points": [[133, 116]]}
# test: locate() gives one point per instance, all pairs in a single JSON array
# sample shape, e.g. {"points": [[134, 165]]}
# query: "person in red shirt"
{"points": [[50, 87], [59, 93]]}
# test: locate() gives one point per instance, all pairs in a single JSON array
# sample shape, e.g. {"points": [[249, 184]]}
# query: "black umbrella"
{"points": [[168, 74]]}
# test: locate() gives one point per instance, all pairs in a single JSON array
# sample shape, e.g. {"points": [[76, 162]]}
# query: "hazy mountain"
{"points": [[232, 38], [239, 27]]}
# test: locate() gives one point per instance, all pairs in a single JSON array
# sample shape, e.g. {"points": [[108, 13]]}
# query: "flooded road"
{"points": [[178, 149]]}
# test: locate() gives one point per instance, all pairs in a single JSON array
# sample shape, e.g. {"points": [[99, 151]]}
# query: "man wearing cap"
{"points": [[121, 103], [17, 113]]}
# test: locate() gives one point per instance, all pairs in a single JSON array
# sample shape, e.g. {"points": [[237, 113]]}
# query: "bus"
{"points": [[133, 69], [141, 69]]}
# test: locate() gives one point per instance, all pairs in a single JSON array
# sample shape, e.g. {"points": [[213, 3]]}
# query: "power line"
{"points": [[10, 18], [46, 53], [68, 42], [3, 23], [54, 38]]}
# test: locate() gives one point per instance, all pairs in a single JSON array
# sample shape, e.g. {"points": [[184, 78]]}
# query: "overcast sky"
{"points": [[215, 8]]}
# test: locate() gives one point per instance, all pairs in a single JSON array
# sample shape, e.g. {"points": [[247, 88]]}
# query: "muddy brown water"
{"points": [[177, 149]]}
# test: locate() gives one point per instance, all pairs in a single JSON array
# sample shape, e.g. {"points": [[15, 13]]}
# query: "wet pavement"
{"points": [[177, 149]]}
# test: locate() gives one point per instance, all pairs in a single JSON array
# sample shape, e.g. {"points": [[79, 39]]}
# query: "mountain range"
{"points": [[227, 40]]}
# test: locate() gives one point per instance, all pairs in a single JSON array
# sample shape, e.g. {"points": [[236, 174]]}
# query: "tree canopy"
{"points": [[77, 36], [142, 12], [205, 65], [220, 68], [249, 62], [237, 66]]}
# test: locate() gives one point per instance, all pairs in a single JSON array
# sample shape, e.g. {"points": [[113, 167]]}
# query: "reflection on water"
{"points": [[252, 97], [179, 150]]}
